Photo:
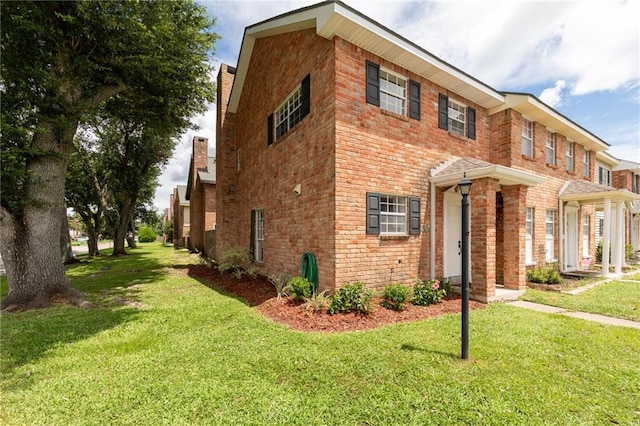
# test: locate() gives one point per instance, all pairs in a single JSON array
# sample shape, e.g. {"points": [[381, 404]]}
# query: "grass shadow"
{"points": [[30, 336], [412, 348]]}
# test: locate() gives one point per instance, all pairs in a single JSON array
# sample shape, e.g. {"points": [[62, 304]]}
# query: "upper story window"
{"points": [[586, 164], [569, 156], [550, 148], [456, 118], [290, 112], [604, 174], [392, 214], [527, 137], [392, 92]]}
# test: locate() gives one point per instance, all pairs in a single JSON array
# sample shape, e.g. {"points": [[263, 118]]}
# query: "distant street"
{"points": [[82, 249]]}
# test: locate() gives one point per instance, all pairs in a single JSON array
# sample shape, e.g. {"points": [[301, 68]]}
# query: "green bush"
{"points": [[281, 283], [544, 275], [237, 261], [445, 285], [300, 288], [395, 296], [146, 235], [628, 252], [317, 302], [427, 292], [351, 298]]}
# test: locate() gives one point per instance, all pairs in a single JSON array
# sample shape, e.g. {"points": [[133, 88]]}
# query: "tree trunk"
{"points": [[122, 229], [131, 235], [30, 242], [65, 241], [92, 242]]}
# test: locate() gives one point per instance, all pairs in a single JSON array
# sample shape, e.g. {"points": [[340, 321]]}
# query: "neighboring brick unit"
{"points": [[201, 193], [367, 186], [181, 217]]}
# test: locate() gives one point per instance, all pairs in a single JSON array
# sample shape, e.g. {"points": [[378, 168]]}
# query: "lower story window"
{"points": [[528, 245], [393, 214], [257, 235], [550, 225]]}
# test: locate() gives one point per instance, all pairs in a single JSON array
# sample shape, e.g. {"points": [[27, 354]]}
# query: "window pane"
{"points": [[393, 93]]}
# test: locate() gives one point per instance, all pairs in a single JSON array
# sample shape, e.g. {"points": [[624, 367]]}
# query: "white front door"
{"points": [[453, 236], [571, 239]]}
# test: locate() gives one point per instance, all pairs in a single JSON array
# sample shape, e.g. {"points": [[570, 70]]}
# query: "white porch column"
{"points": [[606, 237], [619, 247]]}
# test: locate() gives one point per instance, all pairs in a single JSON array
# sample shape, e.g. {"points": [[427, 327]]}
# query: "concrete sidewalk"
{"points": [[602, 319]]}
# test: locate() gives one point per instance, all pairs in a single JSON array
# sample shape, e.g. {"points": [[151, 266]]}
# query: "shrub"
{"points": [[281, 283], [427, 292], [238, 262], [300, 288], [544, 275], [628, 252], [395, 296], [317, 302], [351, 298], [445, 285], [146, 235]]}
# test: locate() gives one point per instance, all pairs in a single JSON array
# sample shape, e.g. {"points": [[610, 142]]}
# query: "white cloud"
{"points": [[552, 96], [589, 46]]}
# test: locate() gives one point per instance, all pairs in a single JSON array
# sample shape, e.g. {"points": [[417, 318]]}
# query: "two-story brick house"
{"points": [[201, 193], [181, 216], [338, 137]]}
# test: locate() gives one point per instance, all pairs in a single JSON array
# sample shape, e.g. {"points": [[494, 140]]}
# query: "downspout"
{"points": [[561, 239], [432, 232]]}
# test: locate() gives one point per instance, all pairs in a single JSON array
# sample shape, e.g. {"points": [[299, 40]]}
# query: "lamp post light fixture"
{"points": [[464, 186]]}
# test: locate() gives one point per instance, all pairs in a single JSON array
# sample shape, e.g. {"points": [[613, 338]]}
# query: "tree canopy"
{"points": [[62, 60]]}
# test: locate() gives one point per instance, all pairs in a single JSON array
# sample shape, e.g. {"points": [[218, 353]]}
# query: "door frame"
{"points": [[452, 200], [571, 236]]}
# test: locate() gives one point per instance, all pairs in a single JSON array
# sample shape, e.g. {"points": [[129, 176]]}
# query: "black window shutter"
{"points": [[306, 96], [414, 216], [270, 129], [373, 83], [443, 112], [414, 99], [252, 243], [471, 125], [373, 213]]}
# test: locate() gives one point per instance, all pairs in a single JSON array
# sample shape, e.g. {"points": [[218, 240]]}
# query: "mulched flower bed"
{"points": [[259, 293]]}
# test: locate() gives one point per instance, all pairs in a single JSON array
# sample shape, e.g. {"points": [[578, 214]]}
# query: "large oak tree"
{"points": [[61, 60]]}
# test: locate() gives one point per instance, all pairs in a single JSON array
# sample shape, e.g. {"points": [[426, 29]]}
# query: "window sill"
{"points": [[528, 157], [393, 114], [531, 264], [458, 136], [394, 237], [552, 166], [571, 172]]}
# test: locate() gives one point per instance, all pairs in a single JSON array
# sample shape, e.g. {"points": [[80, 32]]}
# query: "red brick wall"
{"points": [[209, 193], [294, 224], [381, 152], [226, 163], [178, 229]]}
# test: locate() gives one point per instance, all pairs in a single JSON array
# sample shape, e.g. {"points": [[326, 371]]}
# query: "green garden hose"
{"points": [[309, 269]]}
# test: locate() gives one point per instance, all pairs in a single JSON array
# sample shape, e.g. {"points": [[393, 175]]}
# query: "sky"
{"points": [[580, 57]]}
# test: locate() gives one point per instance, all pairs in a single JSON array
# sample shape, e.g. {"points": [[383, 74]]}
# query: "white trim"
{"points": [[335, 19], [505, 176]]}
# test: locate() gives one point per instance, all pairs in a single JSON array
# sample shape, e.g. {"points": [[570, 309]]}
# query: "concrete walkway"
{"points": [[602, 319]]}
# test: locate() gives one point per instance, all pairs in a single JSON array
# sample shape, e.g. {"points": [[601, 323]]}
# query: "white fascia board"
{"points": [[614, 195], [530, 106], [329, 25], [329, 21], [607, 158], [504, 175]]}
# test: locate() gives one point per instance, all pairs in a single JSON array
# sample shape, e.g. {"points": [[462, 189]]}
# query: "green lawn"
{"points": [[186, 354], [619, 299]]}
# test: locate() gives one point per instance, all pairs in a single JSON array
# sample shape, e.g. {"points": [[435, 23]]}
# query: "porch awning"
{"points": [[451, 172], [592, 193]]}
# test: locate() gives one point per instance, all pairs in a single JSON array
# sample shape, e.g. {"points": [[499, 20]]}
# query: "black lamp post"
{"points": [[464, 186]]}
